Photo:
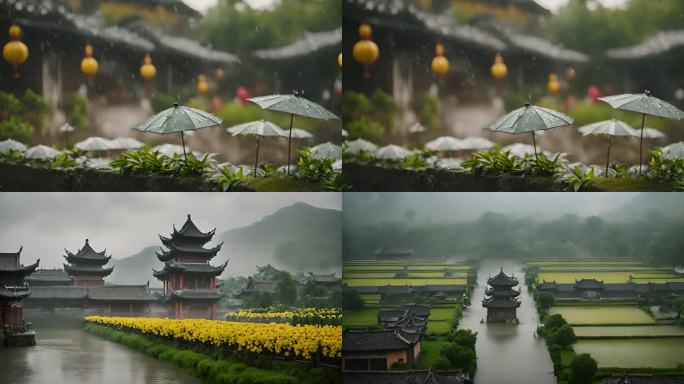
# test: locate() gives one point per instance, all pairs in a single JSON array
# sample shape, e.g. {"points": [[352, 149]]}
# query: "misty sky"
{"points": [[125, 223], [204, 5]]}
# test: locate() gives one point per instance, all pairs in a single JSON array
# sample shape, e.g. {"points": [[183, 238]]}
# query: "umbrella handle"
{"points": [[183, 141], [289, 143], [534, 143], [608, 157], [256, 162], [641, 141]]}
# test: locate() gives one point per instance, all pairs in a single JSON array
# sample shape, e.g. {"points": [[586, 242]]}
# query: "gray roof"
{"points": [[657, 44], [9, 262], [643, 379], [14, 293], [58, 293], [410, 377], [539, 46], [310, 42], [49, 275], [121, 293], [373, 340], [588, 284], [198, 294]]}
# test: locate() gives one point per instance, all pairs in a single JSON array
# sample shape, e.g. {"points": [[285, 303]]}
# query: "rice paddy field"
{"points": [[634, 353], [609, 271], [630, 331], [613, 314]]}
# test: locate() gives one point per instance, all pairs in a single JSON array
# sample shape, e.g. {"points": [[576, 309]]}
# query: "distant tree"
{"points": [[460, 357], [464, 337], [259, 300], [563, 336], [544, 300], [554, 322], [351, 299], [287, 289], [582, 369]]}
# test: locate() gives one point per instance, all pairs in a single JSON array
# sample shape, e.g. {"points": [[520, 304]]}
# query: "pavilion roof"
{"points": [[120, 293], [49, 275], [9, 262], [197, 294], [374, 340], [88, 253], [87, 270], [498, 302], [204, 268], [14, 293], [657, 44], [501, 279], [310, 42], [588, 284]]}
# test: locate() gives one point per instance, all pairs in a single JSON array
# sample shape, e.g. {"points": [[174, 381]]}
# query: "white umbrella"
{"points": [[444, 143], [476, 143], [9, 144], [260, 128], [127, 143], [300, 134], [169, 149], [42, 152], [326, 151], [344, 133], [417, 128], [94, 144], [392, 152], [358, 145], [519, 149], [449, 163], [609, 128], [66, 128], [651, 133], [674, 151], [337, 166], [98, 163]]}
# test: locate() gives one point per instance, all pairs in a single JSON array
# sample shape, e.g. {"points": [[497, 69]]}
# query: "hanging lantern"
{"points": [[339, 60], [365, 51], [440, 64], [202, 85], [148, 71], [554, 84], [499, 68], [570, 74], [219, 74], [89, 65], [15, 51]]}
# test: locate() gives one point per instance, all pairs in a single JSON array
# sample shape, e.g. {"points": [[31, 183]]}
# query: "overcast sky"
{"points": [[554, 5], [125, 223]]}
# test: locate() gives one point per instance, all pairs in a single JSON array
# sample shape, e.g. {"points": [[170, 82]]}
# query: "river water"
{"points": [[507, 353], [66, 354]]}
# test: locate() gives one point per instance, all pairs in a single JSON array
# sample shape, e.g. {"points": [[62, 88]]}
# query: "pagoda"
{"points": [[189, 279], [13, 290], [86, 267], [501, 299]]}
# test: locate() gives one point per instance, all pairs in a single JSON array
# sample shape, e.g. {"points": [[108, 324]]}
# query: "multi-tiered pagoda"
{"points": [[86, 267], [13, 289], [501, 299], [189, 279]]}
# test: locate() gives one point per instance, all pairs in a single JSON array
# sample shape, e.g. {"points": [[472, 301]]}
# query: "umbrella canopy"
{"points": [[126, 143], [9, 144], [42, 152], [94, 143], [449, 164], [476, 143], [300, 134], [651, 133], [392, 152], [444, 143], [326, 151], [257, 128], [610, 128], [519, 149], [358, 145], [345, 133], [295, 105], [417, 128], [337, 166], [529, 119], [674, 151], [66, 128], [170, 149], [645, 104], [178, 120]]}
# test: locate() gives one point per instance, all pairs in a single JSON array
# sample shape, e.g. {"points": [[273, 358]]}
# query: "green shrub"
{"points": [[161, 101], [460, 357], [76, 110], [582, 369], [564, 336], [425, 106], [16, 128]]}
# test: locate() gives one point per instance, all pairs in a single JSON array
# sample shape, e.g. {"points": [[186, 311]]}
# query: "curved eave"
{"points": [[73, 259], [7, 294], [76, 271]]}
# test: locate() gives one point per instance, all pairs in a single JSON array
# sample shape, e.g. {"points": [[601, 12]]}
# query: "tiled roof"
{"points": [[49, 275], [643, 379], [310, 42], [373, 340], [410, 377]]}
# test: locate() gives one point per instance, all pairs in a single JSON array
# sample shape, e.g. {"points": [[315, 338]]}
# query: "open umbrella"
{"points": [[609, 128], [126, 143], [416, 129], [42, 152], [358, 145], [66, 129], [345, 133], [645, 104], [444, 143], [294, 105], [326, 151], [650, 133], [674, 151], [94, 143], [392, 152], [9, 144], [259, 129], [177, 120], [529, 119], [476, 143], [300, 134], [519, 149]]}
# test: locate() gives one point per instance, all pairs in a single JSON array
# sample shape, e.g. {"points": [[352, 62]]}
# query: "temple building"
{"points": [[394, 253], [591, 289], [86, 267], [324, 280], [189, 280], [375, 350], [255, 286], [501, 299], [48, 277], [13, 290]]}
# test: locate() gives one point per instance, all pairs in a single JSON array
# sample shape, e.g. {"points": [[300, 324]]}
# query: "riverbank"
{"points": [[215, 369]]}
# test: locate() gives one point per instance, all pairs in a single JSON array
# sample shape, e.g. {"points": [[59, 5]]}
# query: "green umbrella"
{"points": [[529, 119], [294, 105], [645, 104], [609, 128], [177, 120], [259, 129]]}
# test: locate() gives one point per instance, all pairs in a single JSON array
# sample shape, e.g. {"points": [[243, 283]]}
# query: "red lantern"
{"points": [[594, 92], [242, 94]]}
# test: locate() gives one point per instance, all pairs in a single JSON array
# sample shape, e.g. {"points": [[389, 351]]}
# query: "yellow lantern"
{"points": [[89, 65], [148, 71], [202, 85], [499, 68], [440, 64], [219, 74], [554, 84], [15, 51], [570, 73], [365, 51], [339, 60]]}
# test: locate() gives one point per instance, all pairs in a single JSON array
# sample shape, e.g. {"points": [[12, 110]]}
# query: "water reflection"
{"points": [[69, 355], [507, 353]]}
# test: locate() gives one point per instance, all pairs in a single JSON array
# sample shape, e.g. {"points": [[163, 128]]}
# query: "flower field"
{"points": [[315, 316], [301, 341]]}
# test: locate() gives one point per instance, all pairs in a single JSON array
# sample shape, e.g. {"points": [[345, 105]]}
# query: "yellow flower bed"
{"points": [[326, 314], [301, 341]]}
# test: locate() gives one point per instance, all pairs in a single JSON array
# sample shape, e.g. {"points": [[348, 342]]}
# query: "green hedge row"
{"points": [[219, 371]]}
